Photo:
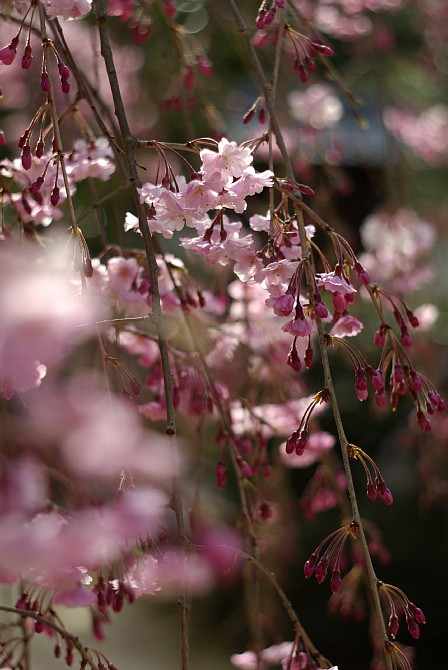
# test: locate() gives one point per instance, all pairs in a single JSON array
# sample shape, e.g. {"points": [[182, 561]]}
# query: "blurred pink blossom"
{"points": [[425, 133], [40, 314]]}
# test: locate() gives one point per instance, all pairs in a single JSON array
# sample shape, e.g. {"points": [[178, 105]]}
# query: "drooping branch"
{"points": [[128, 141]]}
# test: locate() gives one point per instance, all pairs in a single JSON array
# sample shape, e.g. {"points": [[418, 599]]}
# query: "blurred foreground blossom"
{"points": [[40, 310], [97, 433]]}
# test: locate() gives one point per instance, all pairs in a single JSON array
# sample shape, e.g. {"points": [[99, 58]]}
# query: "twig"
{"points": [[128, 145], [373, 580], [83, 651]]}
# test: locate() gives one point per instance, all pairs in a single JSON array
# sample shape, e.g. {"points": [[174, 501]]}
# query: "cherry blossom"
{"points": [[347, 325], [301, 327], [230, 161], [336, 283]]}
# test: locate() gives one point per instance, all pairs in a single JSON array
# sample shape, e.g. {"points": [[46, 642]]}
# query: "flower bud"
{"points": [[45, 82]]}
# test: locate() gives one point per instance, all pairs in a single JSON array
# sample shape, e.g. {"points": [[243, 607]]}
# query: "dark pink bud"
{"points": [[349, 298], [371, 490], [293, 360], [377, 380], [393, 624], [306, 190], [27, 59], [413, 627], [398, 373], [308, 358], [69, 656], [45, 82], [362, 274], [320, 309], [386, 496], [412, 319], [437, 401], [270, 15], [2, 138], [321, 569], [64, 72], [39, 627], [8, 53], [291, 442], [417, 613], [416, 382], [65, 86], [262, 115], [26, 157], [57, 651], [37, 185], [323, 49], [309, 566], [361, 384], [301, 442], [40, 147], [281, 4], [260, 20], [23, 140], [54, 198]]}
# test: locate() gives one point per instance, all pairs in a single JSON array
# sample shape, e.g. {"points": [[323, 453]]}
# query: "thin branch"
{"points": [[128, 145], [373, 580], [83, 651]]}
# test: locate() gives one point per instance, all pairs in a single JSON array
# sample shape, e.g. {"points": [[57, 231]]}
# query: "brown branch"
{"points": [[69, 637], [373, 580], [128, 141]]}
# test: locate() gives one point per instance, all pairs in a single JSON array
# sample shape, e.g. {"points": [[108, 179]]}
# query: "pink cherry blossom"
{"points": [[301, 327], [347, 325], [98, 435], [330, 281], [229, 161]]}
